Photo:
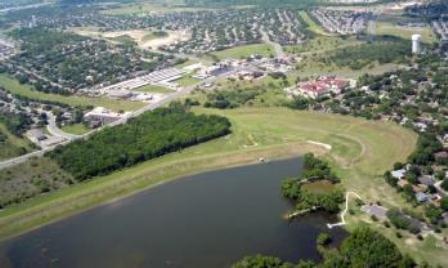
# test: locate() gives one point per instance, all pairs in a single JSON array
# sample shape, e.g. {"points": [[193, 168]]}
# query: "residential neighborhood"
{"points": [[280, 134]]}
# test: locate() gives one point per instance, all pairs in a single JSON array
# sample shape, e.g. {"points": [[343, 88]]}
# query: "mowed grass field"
{"points": [[323, 44], [362, 151], [245, 51], [386, 28], [15, 87], [77, 129]]}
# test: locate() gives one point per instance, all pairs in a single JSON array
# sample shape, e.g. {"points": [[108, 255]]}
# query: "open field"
{"points": [[322, 44], [312, 25], [154, 89], [143, 38], [187, 80], [362, 151], [385, 28], [145, 8], [15, 87], [12, 146], [77, 129], [245, 51], [159, 8], [314, 68]]}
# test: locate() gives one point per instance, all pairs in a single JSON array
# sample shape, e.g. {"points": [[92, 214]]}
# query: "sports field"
{"points": [[362, 151], [15, 87]]}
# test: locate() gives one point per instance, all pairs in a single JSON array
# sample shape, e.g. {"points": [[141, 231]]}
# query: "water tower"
{"points": [[416, 49]]}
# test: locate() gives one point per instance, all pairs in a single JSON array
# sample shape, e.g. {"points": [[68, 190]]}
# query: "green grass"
{"points": [[312, 25], [154, 35], [274, 95], [387, 28], [245, 51], [13, 146], [187, 80], [142, 8], [77, 129], [123, 39], [154, 89], [313, 68], [362, 151], [170, 6], [323, 44], [15, 87]]}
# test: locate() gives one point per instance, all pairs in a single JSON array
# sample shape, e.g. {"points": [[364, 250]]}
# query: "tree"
{"points": [[398, 165], [260, 261], [433, 213], [444, 203], [323, 239], [299, 103], [368, 248], [444, 184], [440, 175], [147, 136], [362, 248], [392, 181]]}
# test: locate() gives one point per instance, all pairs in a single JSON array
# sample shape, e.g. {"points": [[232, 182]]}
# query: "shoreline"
{"points": [[359, 154], [29, 219]]}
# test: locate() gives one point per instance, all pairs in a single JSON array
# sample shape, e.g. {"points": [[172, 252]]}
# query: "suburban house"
{"points": [[421, 197], [398, 174], [426, 180]]}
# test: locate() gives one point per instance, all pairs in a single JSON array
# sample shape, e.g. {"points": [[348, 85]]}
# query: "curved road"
{"points": [[54, 130]]}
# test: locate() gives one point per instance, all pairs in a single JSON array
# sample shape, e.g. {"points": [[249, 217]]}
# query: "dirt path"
{"points": [[342, 222]]}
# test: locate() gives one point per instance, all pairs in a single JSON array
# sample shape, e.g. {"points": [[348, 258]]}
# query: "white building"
{"points": [[416, 49], [103, 116]]}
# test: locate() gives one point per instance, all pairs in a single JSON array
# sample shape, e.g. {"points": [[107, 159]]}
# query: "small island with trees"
{"points": [[316, 189]]}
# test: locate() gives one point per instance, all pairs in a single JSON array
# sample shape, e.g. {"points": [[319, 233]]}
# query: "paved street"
{"points": [[54, 130]]}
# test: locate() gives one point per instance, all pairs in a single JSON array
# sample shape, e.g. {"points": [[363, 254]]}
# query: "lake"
{"points": [[211, 219]]}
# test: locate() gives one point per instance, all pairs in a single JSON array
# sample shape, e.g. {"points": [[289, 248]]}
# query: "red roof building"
{"points": [[322, 86]]}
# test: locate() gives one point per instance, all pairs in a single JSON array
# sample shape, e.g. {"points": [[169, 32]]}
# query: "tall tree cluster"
{"points": [[145, 137]]}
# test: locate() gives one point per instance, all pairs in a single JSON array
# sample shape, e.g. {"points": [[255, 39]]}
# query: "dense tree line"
{"points": [[383, 51], [363, 248], [427, 145], [145, 137], [16, 123], [229, 99], [428, 10], [314, 169], [317, 169]]}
